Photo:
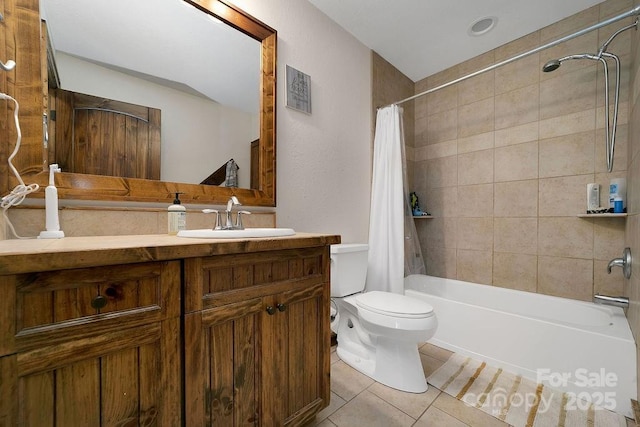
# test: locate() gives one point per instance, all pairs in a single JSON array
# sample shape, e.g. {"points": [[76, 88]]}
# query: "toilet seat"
{"points": [[395, 305]]}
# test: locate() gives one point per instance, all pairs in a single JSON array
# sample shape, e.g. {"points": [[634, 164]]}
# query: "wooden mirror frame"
{"points": [[107, 188]]}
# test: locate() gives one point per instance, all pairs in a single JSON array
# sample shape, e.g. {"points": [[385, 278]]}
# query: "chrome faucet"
{"points": [[624, 262], [233, 201], [218, 223], [622, 302]]}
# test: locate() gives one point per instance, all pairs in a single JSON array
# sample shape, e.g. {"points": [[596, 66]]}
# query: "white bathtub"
{"points": [[575, 346]]}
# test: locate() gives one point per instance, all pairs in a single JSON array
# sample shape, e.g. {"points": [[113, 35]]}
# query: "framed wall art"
{"points": [[298, 86]]}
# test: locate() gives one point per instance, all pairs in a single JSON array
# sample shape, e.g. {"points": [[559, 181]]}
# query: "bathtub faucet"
{"points": [[622, 302], [624, 262]]}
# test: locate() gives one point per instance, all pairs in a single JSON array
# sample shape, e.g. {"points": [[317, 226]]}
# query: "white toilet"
{"points": [[378, 332]]}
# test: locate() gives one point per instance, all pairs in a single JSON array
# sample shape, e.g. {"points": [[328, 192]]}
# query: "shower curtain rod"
{"points": [[633, 12]]}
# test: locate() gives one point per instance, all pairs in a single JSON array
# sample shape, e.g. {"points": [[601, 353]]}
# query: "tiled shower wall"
{"points": [[502, 161]]}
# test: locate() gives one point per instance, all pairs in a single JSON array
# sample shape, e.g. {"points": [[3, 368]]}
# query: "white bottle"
{"points": [[177, 216], [52, 222], [593, 196]]}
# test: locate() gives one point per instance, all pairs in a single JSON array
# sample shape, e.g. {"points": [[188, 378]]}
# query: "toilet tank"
{"points": [[348, 268]]}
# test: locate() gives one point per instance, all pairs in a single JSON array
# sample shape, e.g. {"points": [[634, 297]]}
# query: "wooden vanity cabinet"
{"points": [[91, 346], [257, 338], [159, 331]]}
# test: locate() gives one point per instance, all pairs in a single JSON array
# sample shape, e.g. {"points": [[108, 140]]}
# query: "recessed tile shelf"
{"points": [[603, 215], [428, 216]]}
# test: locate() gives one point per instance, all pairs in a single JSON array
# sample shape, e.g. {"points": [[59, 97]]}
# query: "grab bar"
{"points": [[622, 302]]}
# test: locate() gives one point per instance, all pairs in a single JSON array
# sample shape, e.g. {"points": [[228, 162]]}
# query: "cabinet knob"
{"points": [[281, 307], [98, 302], [271, 310]]}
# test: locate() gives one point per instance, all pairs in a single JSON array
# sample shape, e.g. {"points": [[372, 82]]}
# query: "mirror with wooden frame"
{"points": [[122, 188]]}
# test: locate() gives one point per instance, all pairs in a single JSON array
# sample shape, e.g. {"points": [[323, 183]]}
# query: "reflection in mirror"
{"points": [[203, 75]]}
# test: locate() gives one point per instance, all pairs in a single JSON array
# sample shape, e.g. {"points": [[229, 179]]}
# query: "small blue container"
{"points": [[618, 205]]}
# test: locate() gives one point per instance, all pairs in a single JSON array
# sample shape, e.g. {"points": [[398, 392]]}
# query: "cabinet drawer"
{"points": [[55, 305], [226, 279]]}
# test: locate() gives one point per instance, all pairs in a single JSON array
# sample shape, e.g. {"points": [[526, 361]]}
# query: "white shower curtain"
{"points": [[385, 270]]}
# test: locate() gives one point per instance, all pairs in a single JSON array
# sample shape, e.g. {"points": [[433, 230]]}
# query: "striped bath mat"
{"points": [[516, 400]]}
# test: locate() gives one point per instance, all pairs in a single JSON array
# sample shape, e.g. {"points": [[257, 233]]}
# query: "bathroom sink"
{"points": [[208, 233]]}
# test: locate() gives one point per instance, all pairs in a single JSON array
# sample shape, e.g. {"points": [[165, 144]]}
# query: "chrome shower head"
{"points": [[552, 65]]}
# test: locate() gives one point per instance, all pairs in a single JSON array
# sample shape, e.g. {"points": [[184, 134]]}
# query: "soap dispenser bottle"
{"points": [[177, 216]]}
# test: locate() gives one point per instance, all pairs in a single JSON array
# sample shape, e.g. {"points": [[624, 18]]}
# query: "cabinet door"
{"points": [[119, 378], [295, 355], [96, 346], [221, 365]]}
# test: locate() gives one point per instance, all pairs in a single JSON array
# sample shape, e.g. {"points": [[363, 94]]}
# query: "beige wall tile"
{"points": [[475, 233], [517, 107], [440, 262], [565, 237], [442, 126], [567, 155], [443, 77], [515, 271], [566, 125], [441, 202], [614, 7], [516, 235], [475, 266], [475, 200], [442, 149], [442, 172], [475, 167], [608, 234], [619, 153], [522, 73], [633, 186], [605, 283], [442, 100], [114, 221], [476, 63], [516, 199], [439, 232], [517, 134], [570, 91], [476, 88], [420, 154], [566, 277], [516, 162], [476, 118], [564, 196], [482, 141], [523, 44], [28, 222]]}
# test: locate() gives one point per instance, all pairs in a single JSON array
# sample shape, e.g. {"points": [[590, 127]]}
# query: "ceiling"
{"points": [[423, 37]]}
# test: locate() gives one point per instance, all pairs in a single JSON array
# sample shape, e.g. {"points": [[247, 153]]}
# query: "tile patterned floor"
{"points": [[357, 400]]}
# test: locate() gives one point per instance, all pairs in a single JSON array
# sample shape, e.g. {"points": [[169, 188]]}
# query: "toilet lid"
{"points": [[397, 305]]}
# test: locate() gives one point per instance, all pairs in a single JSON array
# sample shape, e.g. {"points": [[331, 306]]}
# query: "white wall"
{"points": [[324, 159]]}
